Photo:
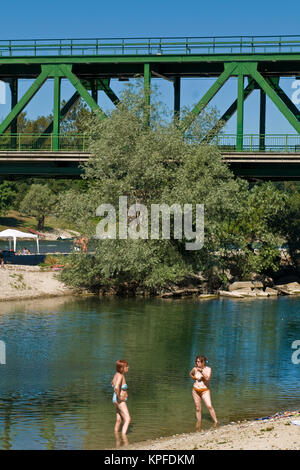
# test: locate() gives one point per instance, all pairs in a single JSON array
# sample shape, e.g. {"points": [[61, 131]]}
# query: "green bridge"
{"points": [[258, 62]]}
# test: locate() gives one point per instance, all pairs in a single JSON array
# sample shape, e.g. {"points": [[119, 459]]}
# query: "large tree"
{"points": [[161, 164], [38, 202]]}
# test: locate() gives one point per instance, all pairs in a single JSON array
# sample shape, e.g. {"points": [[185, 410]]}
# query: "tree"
{"points": [[149, 164], [156, 164], [7, 196], [38, 202]]}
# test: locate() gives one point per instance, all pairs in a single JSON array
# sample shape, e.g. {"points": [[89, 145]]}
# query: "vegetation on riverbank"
{"points": [[245, 223], [16, 220]]}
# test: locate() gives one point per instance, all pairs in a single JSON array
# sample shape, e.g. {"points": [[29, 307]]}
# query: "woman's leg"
{"points": [[118, 419], [197, 401], [122, 407], [207, 400]]}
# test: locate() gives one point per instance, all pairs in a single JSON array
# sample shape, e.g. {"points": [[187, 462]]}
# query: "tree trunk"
{"points": [[41, 223]]}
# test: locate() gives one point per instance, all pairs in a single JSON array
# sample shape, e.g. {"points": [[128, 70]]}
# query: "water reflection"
{"points": [[55, 390]]}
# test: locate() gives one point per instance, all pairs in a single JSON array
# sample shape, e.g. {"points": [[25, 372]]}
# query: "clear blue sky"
{"points": [[131, 18]]}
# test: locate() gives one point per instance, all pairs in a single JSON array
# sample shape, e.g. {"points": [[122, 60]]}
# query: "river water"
{"points": [[55, 390]]}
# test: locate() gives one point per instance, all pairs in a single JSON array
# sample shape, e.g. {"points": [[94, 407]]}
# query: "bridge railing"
{"points": [[43, 142], [281, 143], [150, 46]]}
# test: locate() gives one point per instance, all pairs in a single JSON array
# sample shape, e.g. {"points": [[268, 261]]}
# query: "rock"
{"points": [[247, 292], [268, 281], [282, 290], [271, 292], [228, 274], [241, 285], [294, 286], [258, 284], [180, 292], [207, 296], [260, 293], [236, 294], [291, 288]]}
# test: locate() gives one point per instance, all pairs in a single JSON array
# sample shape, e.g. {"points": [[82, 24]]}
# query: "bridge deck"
{"points": [[250, 165]]}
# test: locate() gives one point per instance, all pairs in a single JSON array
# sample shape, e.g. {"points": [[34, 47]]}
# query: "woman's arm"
{"points": [[192, 373], [118, 382], [206, 375]]}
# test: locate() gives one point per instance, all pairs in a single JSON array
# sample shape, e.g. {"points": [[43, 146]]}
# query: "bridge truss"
{"points": [[258, 63]]}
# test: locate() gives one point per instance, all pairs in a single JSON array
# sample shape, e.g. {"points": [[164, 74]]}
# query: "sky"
{"points": [[133, 18]]}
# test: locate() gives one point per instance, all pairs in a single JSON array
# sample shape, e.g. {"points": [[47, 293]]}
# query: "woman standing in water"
{"points": [[201, 374], [120, 398]]}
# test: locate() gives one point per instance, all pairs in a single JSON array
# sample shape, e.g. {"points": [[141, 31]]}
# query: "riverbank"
{"points": [[270, 434], [30, 282], [54, 228]]}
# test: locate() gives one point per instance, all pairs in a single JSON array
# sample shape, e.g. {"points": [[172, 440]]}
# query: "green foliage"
{"points": [[38, 202], [158, 164], [7, 196]]}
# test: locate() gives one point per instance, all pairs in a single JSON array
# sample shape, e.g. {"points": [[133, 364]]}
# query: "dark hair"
{"points": [[120, 365], [202, 359]]}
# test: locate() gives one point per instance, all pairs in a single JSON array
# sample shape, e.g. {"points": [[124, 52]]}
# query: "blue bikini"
{"points": [[115, 398]]}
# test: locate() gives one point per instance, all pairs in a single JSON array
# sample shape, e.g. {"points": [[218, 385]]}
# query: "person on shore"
{"points": [[201, 374], [76, 244], [2, 259], [84, 244], [119, 399]]}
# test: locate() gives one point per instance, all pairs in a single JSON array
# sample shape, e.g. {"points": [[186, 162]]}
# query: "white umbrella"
{"points": [[14, 234]]}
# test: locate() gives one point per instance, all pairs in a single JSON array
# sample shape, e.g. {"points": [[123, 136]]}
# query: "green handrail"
{"points": [[149, 46], [79, 142]]}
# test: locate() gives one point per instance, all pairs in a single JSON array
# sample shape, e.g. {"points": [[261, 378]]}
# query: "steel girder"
{"points": [[94, 72], [268, 86]]}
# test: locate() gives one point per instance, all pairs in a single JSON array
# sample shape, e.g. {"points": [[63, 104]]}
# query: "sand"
{"points": [[30, 282], [271, 434]]}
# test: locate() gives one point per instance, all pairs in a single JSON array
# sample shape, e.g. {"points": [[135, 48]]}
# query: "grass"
{"points": [[15, 220], [18, 282]]}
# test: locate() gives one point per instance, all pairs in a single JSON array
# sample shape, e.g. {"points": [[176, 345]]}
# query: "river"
{"points": [[55, 390]]}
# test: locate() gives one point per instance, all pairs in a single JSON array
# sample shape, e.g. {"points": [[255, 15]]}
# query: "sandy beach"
{"points": [[270, 434], [30, 282]]}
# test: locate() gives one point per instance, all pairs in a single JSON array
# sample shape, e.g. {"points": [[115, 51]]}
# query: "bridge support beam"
{"points": [[67, 72], [56, 113], [228, 70], [262, 120], [18, 108], [13, 84], [240, 113], [176, 84], [229, 112], [147, 94], [104, 85], [271, 91]]}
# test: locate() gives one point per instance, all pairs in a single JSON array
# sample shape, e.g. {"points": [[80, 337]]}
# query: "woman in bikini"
{"points": [[201, 374], [120, 397]]}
